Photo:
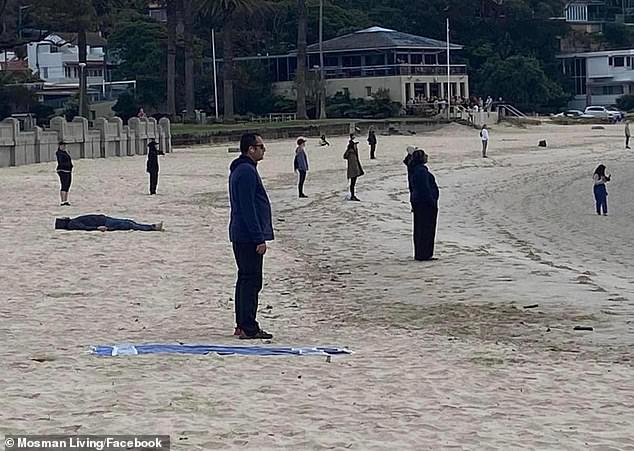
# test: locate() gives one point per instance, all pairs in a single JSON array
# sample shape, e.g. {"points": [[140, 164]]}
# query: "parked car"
{"points": [[601, 112], [620, 115], [574, 114]]}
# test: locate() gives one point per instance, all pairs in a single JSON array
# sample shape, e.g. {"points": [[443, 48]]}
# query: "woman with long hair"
{"points": [[354, 165], [600, 191]]}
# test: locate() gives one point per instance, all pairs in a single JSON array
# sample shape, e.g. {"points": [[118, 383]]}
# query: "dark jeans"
{"points": [[424, 231], [127, 224], [601, 198], [302, 179], [627, 141], [372, 150], [353, 183], [485, 144], [153, 182], [248, 286]]}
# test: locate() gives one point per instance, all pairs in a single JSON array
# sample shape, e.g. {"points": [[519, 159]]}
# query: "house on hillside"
{"points": [[599, 78], [363, 62], [55, 59]]}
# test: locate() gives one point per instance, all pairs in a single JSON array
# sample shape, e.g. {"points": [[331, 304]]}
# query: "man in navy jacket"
{"points": [[250, 228]]}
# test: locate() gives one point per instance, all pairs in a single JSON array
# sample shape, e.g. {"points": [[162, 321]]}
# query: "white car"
{"points": [[602, 112], [574, 114], [620, 115]]}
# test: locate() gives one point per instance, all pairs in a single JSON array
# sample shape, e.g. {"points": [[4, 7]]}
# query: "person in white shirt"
{"points": [[484, 135]]}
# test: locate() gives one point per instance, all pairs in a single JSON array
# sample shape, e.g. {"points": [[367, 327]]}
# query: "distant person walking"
{"points": [[64, 171], [627, 134], [141, 114], [301, 165], [484, 136], [354, 166], [250, 227], [152, 165], [424, 200], [600, 190], [372, 142]]}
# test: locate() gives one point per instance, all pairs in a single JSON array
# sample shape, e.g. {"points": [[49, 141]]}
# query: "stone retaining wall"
{"points": [[109, 138]]}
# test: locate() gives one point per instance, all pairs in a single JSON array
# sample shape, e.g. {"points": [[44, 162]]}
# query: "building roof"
{"points": [[92, 39], [380, 38]]}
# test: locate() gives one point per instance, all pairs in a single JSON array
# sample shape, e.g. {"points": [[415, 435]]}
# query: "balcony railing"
{"points": [[391, 70]]}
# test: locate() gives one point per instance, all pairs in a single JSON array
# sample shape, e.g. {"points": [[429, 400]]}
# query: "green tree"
{"points": [[521, 80], [227, 11], [138, 44]]}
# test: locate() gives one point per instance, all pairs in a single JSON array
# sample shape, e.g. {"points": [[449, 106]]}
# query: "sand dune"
{"points": [[447, 357]]}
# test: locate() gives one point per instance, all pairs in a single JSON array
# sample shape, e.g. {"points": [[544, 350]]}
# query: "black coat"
{"points": [[371, 138], [152, 157], [64, 162], [422, 187]]}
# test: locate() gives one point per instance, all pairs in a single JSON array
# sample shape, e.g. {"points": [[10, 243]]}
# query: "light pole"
{"points": [[448, 75], [213, 53], [82, 89]]}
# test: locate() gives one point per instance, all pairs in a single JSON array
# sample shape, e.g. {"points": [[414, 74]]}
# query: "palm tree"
{"points": [[226, 11], [300, 79], [172, 21], [188, 35]]}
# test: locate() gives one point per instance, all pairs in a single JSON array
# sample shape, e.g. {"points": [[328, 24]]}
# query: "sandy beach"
{"points": [[446, 354]]}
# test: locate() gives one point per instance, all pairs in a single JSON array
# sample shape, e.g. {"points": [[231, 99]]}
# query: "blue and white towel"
{"points": [[130, 349]]}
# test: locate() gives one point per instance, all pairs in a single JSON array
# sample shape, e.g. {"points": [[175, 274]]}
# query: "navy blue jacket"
{"points": [[87, 222], [250, 207], [422, 187]]}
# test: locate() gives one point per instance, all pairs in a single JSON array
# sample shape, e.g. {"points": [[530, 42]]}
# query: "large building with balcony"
{"points": [[361, 63], [599, 78]]}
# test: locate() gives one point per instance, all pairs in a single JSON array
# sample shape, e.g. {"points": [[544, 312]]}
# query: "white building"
{"points": [[599, 78], [56, 58], [363, 62]]}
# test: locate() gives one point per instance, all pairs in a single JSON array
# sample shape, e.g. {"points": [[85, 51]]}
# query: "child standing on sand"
{"points": [[600, 190]]}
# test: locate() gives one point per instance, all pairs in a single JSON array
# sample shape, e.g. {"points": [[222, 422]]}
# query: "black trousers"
{"points": [[302, 179], [372, 150], [65, 179], [248, 286], [353, 183], [153, 181], [627, 141], [424, 231]]}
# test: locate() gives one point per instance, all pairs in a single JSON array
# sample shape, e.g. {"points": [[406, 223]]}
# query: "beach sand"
{"points": [[446, 354]]}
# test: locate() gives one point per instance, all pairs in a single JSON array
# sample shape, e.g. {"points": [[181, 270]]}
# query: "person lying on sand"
{"points": [[103, 223]]}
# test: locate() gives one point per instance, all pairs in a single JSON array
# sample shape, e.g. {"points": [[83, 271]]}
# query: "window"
{"points": [[45, 72], [346, 92], [368, 91], [430, 59], [619, 61], [416, 59], [54, 49], [351, 61], [605, 91]]}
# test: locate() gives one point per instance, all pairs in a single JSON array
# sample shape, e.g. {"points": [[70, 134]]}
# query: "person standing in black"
{"points": [[153, 164], [424, 199], [372, 142], [64, 171]]}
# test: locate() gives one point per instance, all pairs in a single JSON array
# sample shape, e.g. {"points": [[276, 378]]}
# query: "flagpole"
{"points": [[213, 52], [448, 75]]}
